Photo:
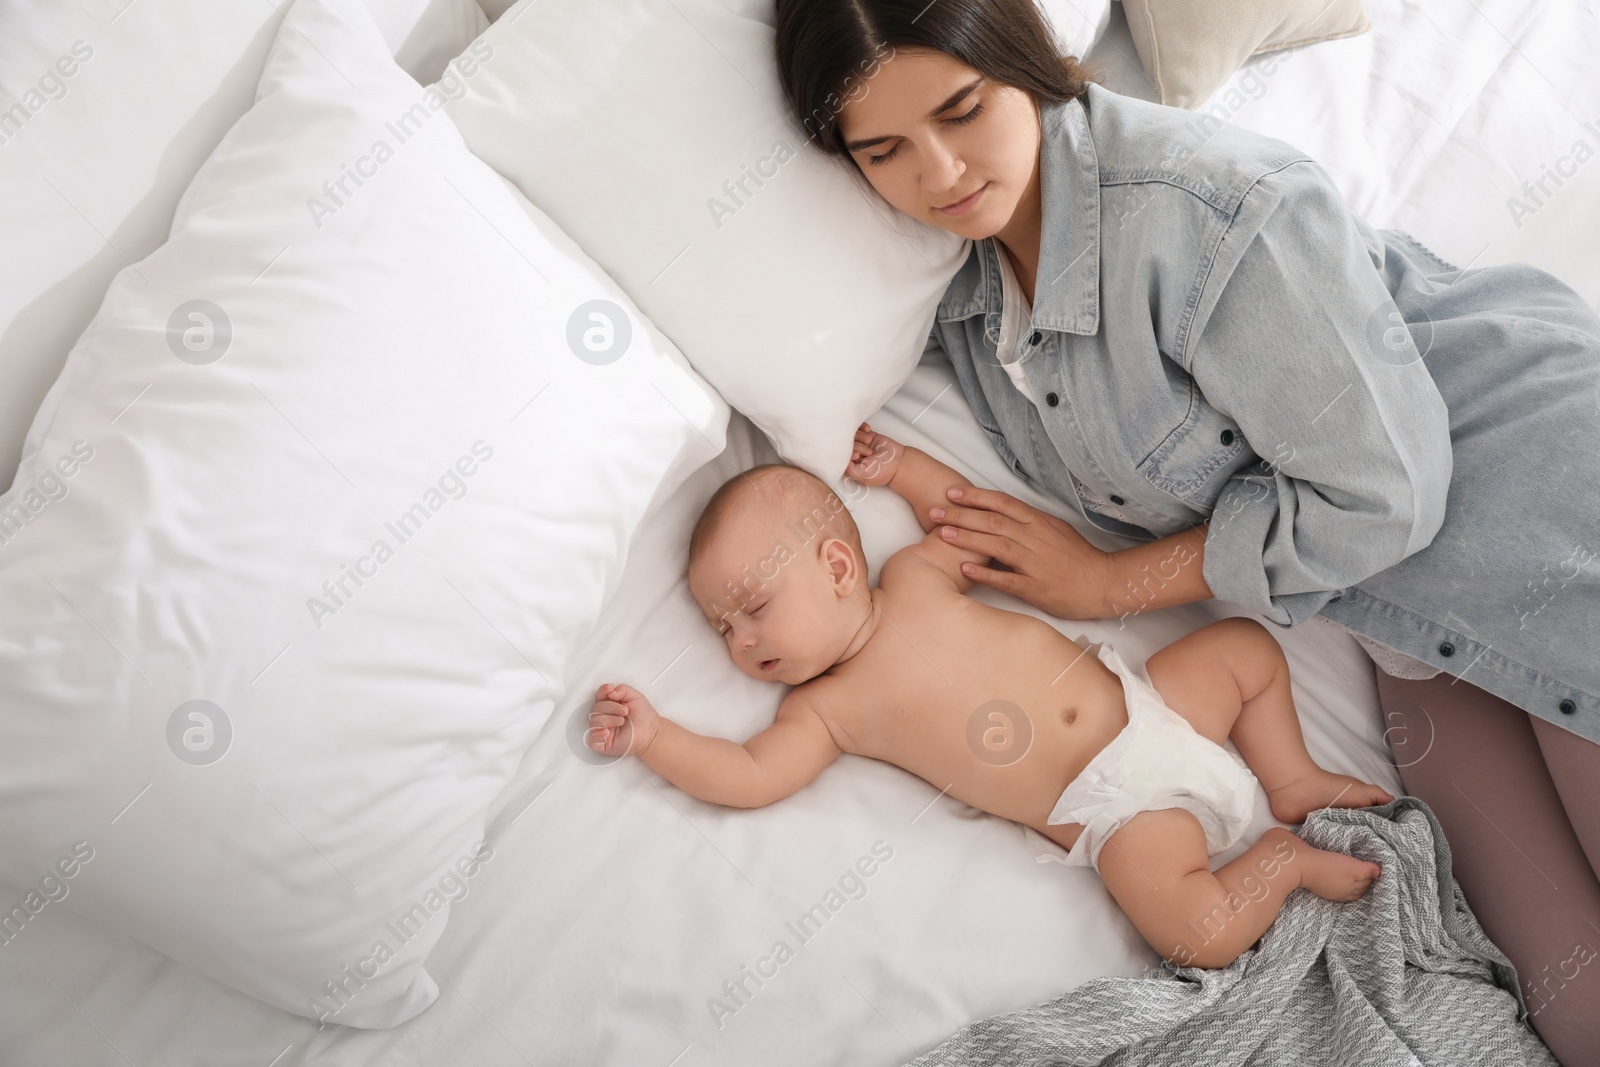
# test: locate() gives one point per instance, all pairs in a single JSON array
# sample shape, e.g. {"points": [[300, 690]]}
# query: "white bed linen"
{"points": [[1434, 121], [89, 178], [616, 906]]}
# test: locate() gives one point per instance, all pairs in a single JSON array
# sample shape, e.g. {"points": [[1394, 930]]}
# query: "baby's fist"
{"points": [[874, 458], [622, 721]]}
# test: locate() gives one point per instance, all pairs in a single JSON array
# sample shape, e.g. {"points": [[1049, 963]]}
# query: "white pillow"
{"points": [[356, 463], [1078, 24], [119, 105], [804, 300]]}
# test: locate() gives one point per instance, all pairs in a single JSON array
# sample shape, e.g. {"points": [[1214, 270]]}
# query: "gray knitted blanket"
{"points": [[1404, 976]]}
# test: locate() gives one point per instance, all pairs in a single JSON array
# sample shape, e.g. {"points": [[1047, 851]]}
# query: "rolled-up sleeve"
{"points": [[1300, 349]]}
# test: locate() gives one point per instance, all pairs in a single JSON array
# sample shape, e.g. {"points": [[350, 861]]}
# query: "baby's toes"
{"points": [[1363, 795], [1362, 880], [1336, 876]]}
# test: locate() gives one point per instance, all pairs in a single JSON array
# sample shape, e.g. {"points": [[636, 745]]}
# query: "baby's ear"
{"points": [[843, 562]]}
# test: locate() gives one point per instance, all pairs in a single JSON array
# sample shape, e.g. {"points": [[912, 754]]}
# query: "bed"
{"points": [[620, 921]]}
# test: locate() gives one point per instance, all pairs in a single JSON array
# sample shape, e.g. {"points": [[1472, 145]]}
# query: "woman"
{"points": [[1179, 325]]}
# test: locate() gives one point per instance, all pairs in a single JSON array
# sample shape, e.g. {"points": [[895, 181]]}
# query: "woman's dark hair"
{"points": [[828, 48]]}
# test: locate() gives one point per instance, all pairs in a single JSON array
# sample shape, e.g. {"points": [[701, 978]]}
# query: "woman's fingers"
{"points": [[1005, 581], [979, 520], [999, 546], [992, 500]]}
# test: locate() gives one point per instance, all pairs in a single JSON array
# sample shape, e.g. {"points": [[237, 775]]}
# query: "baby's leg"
{"points": [[1155, 866], [1230, 680]]}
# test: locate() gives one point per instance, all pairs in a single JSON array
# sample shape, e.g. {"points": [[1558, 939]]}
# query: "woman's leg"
{"points": [[1477, 762], [1574, 766]]}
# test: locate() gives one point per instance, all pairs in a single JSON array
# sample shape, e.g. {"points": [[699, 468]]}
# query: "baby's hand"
{"points": [[874, 458], [622, 721]]}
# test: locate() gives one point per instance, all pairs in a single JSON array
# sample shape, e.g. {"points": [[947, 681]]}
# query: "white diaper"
{"points": [[1157, 761]]}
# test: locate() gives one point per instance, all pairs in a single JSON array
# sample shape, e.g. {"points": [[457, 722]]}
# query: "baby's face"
{"points": [[783, 608]]}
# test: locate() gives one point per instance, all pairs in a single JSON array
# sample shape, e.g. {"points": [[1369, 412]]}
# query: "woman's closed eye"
{"points": [[960, 120]]}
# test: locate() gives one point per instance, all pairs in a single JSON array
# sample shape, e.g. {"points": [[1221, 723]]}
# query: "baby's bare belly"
{"points": [[999, 709]]}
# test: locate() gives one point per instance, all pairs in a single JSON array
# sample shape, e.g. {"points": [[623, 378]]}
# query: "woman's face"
{"points": [[929, 131]]}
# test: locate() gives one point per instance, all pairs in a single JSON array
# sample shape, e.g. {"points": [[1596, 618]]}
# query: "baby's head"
{"points": [[776, 565]]}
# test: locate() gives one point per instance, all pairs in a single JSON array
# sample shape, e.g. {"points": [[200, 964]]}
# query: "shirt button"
{"points": [[1036, 338], [1227, 437], [1447, 649], [1568, 707], [1052, 399], [1117, 500]]}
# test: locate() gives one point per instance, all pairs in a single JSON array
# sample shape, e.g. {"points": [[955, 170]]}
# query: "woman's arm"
{"points": [[1297, 342], [1051, 565], [1300, 350], [1158, 574], [1047, 562]]}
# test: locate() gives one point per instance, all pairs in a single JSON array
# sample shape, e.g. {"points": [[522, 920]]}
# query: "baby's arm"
{"points": [[923, 481], [770, 766], [912, 473]]}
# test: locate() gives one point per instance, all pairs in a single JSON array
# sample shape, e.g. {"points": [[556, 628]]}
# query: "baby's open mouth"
{"points": [[768, 664]]}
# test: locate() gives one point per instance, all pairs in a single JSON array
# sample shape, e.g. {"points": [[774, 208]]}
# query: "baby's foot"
{"points": [[1323, 789], [1333, 875]]}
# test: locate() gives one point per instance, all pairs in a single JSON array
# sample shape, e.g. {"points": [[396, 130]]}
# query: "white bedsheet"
{"points": [[615, 908], [1434, 121]]}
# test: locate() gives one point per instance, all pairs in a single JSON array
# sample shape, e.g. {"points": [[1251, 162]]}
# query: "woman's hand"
{"points": [[1051, 565]]}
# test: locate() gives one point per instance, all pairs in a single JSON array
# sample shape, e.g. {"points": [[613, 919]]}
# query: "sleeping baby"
{"points": [[1125, 769]]}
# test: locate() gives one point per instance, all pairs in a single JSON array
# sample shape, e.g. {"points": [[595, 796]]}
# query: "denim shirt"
{"points": [[1216, 338]]}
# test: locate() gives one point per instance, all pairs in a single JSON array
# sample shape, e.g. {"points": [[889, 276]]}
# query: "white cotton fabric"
{"points": [[1444, 122], [657, 135], [534, 947], [1077, 24], [364, 500], [1392, 662], [1158, 761], [107, 109], [1013, 325]]}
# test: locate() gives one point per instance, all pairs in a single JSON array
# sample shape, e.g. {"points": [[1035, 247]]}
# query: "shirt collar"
{"points": [[1067, 289]]}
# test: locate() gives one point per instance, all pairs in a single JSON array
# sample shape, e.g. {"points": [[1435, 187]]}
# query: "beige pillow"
{"points": [[1190, 47]]}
